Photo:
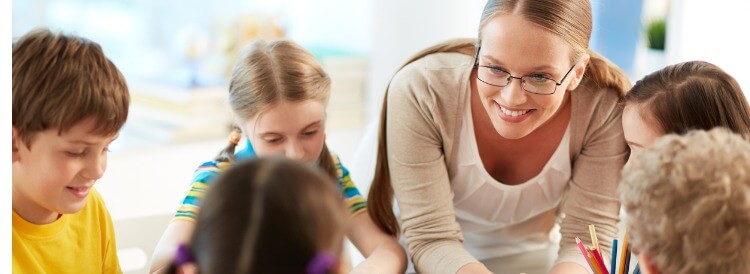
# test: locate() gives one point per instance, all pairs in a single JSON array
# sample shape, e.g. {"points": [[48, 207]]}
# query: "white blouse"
{"points": [[498, 219]]}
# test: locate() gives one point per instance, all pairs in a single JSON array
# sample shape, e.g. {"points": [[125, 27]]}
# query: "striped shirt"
{"points": [[208, 171]]}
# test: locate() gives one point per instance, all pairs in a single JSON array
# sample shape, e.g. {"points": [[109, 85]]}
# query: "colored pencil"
{"points": [[585, 254], [600, 261], [622, 255], [627, 259], [613, 264], [592, 258], [595, 243], [594, 240]]}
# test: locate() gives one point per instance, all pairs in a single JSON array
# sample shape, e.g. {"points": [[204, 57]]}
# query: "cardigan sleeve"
{"points": [[592, 194], [419, 175]]}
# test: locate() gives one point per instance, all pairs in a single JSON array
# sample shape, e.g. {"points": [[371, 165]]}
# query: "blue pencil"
{"points": [[613, 264]]}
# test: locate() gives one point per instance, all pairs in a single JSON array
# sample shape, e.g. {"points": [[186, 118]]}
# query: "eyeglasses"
{"points": [[536, 83]]}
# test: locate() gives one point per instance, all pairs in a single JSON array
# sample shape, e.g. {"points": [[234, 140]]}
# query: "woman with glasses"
{"points": [[489, 144]]}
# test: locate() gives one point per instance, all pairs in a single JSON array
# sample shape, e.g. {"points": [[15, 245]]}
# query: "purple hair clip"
{"points": [[321, 263], [183, 255]]}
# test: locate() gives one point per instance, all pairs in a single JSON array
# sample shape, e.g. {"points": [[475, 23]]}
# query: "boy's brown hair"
{"points": [[60, 80]]}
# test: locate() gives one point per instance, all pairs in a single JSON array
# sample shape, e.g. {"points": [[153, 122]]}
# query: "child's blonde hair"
{"points": [[269, 72], [269, 215], [60, 80], [687, 200]]}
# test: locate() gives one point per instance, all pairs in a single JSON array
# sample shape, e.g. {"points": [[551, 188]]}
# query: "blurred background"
{"points": [[177, 56]]}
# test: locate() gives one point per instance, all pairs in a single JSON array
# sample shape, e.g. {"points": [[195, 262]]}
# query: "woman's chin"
{"points": [[512, 132]]}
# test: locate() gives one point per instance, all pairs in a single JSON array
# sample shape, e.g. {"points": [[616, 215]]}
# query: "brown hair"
{"points": [[268, 215], [60, 80], [568, 19], [269, 72], [687, 200], [691, 95]]}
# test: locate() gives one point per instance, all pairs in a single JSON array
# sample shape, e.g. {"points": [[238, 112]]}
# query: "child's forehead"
{"points": [[289, 115], [85, 132]]}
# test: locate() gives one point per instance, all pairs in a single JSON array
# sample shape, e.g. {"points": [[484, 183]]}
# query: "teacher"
{"points": [[489, 144]]}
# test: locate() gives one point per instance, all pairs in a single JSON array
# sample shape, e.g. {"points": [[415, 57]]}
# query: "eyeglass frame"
{"points": [[523, 82]]}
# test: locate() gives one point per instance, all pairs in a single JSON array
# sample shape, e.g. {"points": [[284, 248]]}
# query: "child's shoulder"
{"points": [[210, 168], [336, 159], [341, 171]]}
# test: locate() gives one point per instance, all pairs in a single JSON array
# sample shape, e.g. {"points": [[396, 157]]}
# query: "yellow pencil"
{"points": [[624, 253], [594, 240]]}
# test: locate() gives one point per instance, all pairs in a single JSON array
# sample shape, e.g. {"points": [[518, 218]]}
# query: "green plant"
{"points": [[656, 31]]}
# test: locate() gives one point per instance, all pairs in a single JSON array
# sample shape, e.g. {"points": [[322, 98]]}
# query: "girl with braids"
{"points": [[489, 144], [267, 215], [278, 93]]}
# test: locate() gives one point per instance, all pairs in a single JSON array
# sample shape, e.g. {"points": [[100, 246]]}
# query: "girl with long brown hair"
{"points": [[683, 97]]}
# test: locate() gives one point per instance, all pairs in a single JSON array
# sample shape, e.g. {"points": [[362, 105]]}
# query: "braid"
{"points": [[227, 154]]}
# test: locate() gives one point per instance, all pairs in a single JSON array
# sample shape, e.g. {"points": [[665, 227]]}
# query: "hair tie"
{"points": [[321, 263], [234, 137], [183, 256]]}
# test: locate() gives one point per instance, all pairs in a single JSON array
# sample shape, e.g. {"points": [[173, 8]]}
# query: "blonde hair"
{"points": [[269, 72], [687, 200], [569, 19], [60, 80]]}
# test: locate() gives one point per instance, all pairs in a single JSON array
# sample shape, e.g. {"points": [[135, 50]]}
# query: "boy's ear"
{"points": [[16, 142]]}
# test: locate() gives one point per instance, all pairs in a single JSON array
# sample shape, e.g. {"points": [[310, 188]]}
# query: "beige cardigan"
{"points": [[426, 103]]}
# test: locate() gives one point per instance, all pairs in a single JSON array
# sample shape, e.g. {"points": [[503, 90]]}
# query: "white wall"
{"points": [[402, 28], [713, 31]]}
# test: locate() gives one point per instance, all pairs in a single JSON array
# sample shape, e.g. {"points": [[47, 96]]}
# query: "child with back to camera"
{"points": [[687, 200], [267, 215]]}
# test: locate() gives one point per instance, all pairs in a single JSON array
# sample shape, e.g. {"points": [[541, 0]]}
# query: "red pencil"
{"points": [[585, 254], [599, 260], [598, 270]]}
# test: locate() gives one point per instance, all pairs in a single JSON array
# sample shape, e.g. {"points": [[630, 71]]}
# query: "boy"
{"points": [[69, 102], [687, 200]]}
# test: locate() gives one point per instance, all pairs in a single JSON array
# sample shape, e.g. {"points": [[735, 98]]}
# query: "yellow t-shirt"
{"points": [[83, 242]]}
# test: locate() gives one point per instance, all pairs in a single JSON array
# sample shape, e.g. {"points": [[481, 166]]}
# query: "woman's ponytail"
{"points": [[603, 74]]}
